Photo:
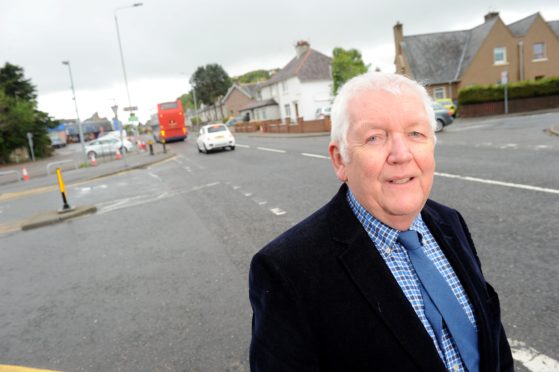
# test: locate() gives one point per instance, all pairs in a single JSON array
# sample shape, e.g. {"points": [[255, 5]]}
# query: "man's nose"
{"points": [[400, 151]]}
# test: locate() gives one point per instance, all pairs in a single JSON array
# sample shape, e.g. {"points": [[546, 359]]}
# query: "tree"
{"points": [[253, 77], [14, 84], [211, 82], [19, 114], [345, 65], [187, 100]]}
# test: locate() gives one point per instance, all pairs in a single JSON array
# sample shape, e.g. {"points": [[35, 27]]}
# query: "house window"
{"points": [[538, 51], [439, 93], [287, 111], [284, 86], [500, 55]]}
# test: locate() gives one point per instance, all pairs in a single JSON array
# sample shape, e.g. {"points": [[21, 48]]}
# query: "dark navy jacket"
{"points": [[324, 299]]}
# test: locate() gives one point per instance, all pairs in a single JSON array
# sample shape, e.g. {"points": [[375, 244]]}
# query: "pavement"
{"points": [[41, 181]]}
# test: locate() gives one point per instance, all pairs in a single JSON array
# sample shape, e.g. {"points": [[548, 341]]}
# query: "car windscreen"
{"points": [[216, 128]]}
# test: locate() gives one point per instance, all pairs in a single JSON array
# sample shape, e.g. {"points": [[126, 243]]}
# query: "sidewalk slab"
{"points": [[52, 217]]}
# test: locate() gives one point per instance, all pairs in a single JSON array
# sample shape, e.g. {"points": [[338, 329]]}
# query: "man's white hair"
{"points": [[371, 81]]}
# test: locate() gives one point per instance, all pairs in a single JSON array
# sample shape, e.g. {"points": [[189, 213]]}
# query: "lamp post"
{"points": [[80, 130], [129, 108], [194, 96]]}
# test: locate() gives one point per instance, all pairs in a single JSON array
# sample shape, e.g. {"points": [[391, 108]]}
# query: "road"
{"points": [[157, 278]]}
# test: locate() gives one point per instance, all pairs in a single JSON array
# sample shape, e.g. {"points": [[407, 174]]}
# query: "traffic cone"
{"points": [[93, 161], [117, 155], [24, 174]]}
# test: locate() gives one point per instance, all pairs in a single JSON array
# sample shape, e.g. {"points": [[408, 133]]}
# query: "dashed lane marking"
{"points": [[509, 146], [315, 155], [155, 176], [271, 150], [243, 146], [542, 147], [468, 128], [498, 183], [531, 358], [278, 211]]}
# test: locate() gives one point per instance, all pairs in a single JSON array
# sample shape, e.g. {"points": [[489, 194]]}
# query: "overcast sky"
{"points": [[164, 41]]}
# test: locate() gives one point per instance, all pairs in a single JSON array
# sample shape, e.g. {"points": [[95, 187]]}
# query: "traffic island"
{"points": [[50, 218]]}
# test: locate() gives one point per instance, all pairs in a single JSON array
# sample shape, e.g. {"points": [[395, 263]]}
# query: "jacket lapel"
{"points": [[367, 269]]}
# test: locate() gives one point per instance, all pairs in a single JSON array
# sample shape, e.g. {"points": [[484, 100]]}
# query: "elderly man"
{"points": [[381, 278]]}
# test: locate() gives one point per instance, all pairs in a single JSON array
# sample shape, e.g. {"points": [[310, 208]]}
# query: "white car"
{"points": [[106, 146], [213, 137], [322, 112]]}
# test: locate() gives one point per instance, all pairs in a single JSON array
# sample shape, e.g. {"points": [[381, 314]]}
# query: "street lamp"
{"points": [[80, 131], [129, 108], [194, 96]]}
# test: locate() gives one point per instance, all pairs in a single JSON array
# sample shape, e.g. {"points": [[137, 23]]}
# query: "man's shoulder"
{"points": [[437, 210]]}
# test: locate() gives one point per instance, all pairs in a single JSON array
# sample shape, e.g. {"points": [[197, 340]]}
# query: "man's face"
{"points": [[391, 146]]}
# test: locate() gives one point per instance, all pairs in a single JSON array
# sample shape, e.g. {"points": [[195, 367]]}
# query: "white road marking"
{"points": [[498, 183], [277, 211], [509, 145], [531, 358], [177, 161], [315, 155], [155, 176], [484, 144], [144, 199], [188, 169], [247, 194], [468, 128], [263, 202], [540, 147], [271, 150], [243, 146], [236, 187]]}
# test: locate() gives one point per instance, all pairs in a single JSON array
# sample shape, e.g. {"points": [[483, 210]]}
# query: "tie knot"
{"points": [[409, 239]]}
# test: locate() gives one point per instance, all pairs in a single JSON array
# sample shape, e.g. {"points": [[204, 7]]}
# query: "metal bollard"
{"points": [[150, 143], [65, 205], [164, 148]]}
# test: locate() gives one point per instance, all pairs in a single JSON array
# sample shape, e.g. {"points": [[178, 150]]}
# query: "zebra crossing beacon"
{"points": [[65, 206]]}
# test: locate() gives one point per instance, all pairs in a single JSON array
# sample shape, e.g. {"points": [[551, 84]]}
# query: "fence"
{"points": [[276, 126], [515, 105]]}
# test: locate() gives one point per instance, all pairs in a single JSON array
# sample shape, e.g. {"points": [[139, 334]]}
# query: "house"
{"points": [[448, 61], [297, 90], [239, 96]]}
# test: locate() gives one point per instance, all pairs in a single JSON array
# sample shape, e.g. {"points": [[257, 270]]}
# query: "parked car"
{"points": [[322, 112], [442, 116], [107, 145], [234, 120], [449, 105], [213, 137], [56, 141]]}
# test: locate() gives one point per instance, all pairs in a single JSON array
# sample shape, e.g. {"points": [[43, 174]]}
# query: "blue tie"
{"points": [[440, 301]]}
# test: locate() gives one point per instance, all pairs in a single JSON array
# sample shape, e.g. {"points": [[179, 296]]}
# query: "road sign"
{"points": [[131, 108], [504, 77]]}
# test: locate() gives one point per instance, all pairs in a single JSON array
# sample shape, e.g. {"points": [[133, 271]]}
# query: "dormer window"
{"points": [[500, 55]]}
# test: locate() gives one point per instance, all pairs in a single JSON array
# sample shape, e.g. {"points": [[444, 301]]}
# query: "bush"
{"points": [[522, 89]]}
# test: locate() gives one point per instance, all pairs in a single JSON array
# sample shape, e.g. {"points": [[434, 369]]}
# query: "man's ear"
{"points": [[337, 161]]}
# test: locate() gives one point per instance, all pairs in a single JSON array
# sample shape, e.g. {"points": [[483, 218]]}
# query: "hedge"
{"points": [[522, 89]]}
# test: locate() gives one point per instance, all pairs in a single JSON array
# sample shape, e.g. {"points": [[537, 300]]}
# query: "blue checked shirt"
{"points": [[397, 260]]}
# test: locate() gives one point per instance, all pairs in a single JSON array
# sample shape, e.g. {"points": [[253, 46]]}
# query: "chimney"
{"points": [[301, 48], [398, 37], [489, 16]]}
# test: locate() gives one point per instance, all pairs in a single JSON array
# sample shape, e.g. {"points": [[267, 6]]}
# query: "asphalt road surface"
{"points": [[156, 280]]}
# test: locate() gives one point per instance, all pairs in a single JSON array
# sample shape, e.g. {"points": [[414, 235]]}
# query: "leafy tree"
{"points": [[19, 115], [345, 65], [14, 84], [253, 77], [211, 82], [187, 100]]}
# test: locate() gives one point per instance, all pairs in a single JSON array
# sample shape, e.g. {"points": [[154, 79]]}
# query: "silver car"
{"points": [[106, 146], [442, 116]]}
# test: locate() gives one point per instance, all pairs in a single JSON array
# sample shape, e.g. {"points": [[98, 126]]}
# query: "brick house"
{"points": [[239, 96], [448, 61]]}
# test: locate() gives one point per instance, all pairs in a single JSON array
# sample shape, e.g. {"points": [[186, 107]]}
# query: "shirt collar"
{"points": [[382, 235]]}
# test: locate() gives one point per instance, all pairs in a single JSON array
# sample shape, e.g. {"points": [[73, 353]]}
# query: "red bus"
{"points": [[168, 123]]}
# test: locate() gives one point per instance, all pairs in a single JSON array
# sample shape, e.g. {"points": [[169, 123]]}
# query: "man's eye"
{"points": [[416, 134]]}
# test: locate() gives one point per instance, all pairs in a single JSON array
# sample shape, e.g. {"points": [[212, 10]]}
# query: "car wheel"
{"points": [[199, 149], [123, 150], [91, 154], [440, 125], [205, 149], [232, 147]]}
